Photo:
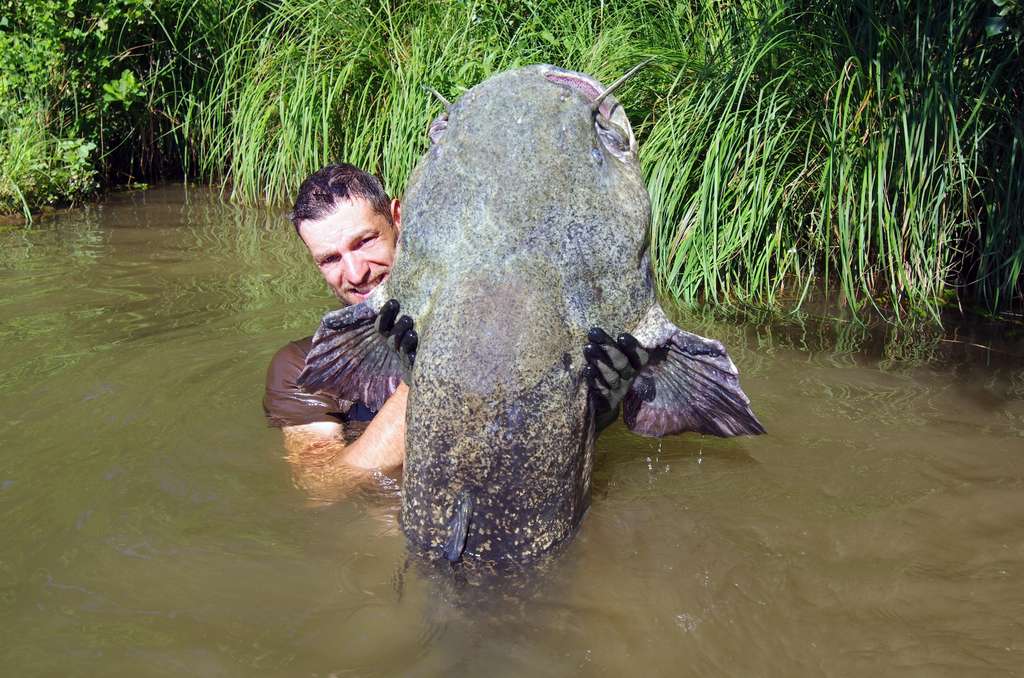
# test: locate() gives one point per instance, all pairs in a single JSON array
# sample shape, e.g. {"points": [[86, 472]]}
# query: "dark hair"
{"points": [[326, 187]]}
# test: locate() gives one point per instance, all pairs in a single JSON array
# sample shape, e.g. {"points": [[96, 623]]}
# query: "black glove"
{"points": [[398, 334], [611, 367]]}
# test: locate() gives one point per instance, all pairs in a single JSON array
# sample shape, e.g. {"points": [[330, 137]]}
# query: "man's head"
{"points": [[350, 226]]}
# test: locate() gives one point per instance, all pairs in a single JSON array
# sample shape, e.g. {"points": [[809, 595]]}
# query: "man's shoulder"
{"points": [[289, 360], [284, 403]]}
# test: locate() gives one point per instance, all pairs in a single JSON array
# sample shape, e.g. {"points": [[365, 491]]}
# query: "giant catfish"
{"points": [[524, 225]]}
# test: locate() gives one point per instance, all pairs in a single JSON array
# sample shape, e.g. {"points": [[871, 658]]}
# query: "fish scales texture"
{"points": [[520, 187], [540, 236], [524, 226]]}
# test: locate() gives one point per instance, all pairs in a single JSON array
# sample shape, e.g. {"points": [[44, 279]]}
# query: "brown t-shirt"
{"points": [[285, 404]]}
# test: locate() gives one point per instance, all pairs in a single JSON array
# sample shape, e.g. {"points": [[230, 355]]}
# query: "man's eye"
{"points": [[329, 260], [367, 240]]}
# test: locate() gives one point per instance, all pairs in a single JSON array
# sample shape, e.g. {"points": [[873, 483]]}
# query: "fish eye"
{"points": [[438, 127], [612, 136]]}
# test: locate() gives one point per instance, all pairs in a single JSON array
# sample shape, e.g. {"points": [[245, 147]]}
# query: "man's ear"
{"points": [[396, 214]]}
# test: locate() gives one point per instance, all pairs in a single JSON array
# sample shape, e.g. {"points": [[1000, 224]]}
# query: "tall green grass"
{"points": [[905, 141], [38, 167], [786, 146], [316, 82], [869, 151], [724, 161], [867, 147]]}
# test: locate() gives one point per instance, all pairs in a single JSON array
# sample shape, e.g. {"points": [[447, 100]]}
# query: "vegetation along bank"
{"points": [[873, 147]]}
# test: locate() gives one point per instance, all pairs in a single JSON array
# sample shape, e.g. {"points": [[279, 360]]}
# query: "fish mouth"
{"points": [[591, 89], [585, 85]]}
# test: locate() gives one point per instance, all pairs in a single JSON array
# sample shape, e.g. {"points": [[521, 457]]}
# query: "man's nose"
{"points": [[355, 268]]}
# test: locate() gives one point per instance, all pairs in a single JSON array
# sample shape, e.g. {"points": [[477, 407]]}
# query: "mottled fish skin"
{"points": [[521, 232], [524, 226]]}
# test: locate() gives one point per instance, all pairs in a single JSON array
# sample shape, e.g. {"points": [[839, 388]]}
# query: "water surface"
{"points": [[150, 526]]}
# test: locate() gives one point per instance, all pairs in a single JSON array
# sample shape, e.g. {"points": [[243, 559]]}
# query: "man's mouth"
{"points": [[361, 296], [363, 291]]}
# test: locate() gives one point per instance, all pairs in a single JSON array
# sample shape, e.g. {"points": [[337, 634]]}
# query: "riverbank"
{"points": [[875, 150]]}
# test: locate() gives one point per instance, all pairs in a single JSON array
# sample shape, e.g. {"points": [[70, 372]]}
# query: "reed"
{"points": [[872, 151], [872, 148], [903, 140], [37, 166], [724, 163], [316, 82]]}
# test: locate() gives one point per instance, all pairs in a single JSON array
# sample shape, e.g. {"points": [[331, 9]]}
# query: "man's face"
{"points": [[353, 246]]}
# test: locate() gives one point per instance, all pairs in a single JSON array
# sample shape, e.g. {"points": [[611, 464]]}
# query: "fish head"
{"points": [[521, 107], [525, 170]]}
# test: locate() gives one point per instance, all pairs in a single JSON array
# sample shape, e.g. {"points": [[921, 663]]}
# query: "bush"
{"points": [[38, 168], [77, 79], [877, 147]]}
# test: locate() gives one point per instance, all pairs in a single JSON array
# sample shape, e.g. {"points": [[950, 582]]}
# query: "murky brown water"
{"points": [[149, 525]]}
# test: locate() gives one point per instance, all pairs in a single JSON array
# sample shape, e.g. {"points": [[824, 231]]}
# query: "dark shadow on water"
{"points": [[480, 593]]}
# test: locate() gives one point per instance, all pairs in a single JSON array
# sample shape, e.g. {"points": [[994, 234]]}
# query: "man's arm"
{"points": [[324, 465]]}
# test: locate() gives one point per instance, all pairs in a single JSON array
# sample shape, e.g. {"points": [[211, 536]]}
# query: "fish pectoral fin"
{"points": [[689, 384], [360, 355]]}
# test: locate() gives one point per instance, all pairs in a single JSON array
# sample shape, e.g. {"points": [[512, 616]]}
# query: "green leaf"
{"points": [[124, 90]]}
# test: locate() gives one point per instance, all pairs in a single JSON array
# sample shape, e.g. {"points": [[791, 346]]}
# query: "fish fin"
{"points": [[458, 528], [350, 359], [690, 384]]}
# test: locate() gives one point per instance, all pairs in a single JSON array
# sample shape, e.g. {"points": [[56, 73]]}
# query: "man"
{"points": [[350, 227]]}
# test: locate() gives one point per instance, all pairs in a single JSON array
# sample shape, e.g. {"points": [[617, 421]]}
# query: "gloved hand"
{"points": [[398, 334], [611, 367]]}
